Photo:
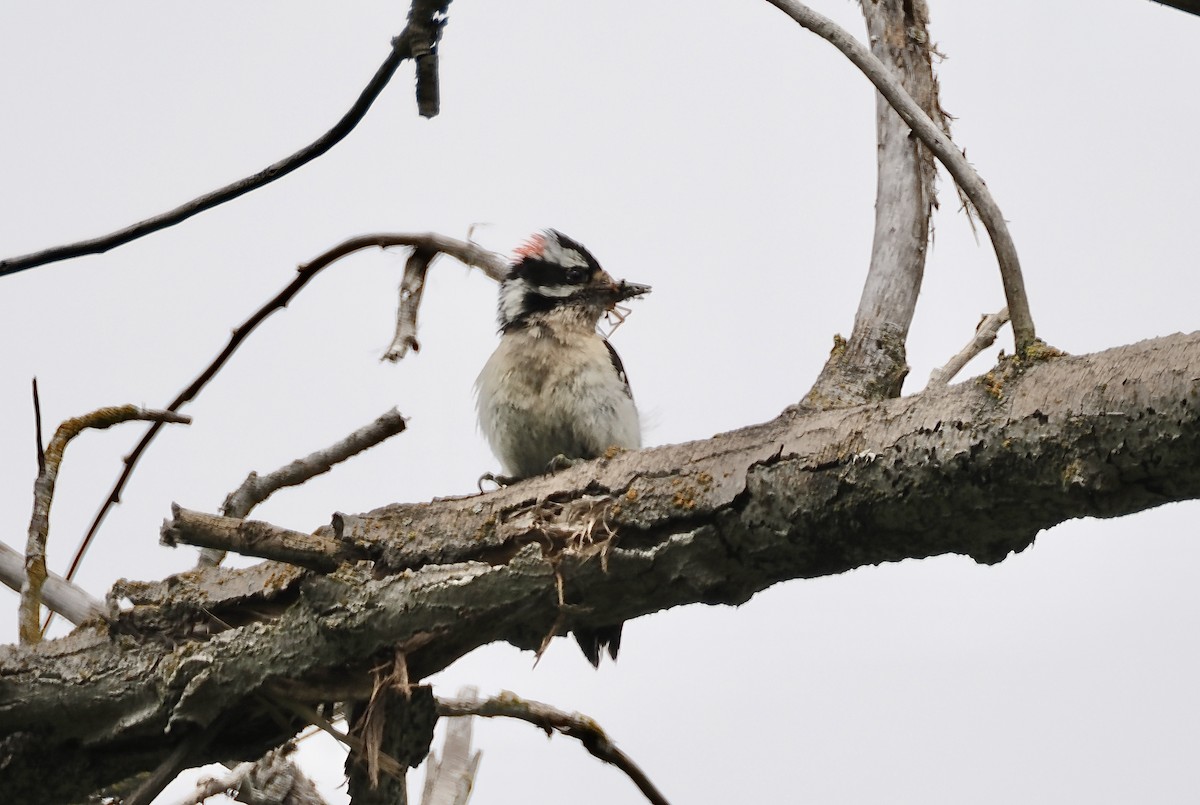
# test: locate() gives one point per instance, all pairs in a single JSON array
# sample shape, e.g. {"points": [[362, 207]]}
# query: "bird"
{"points": [[555, 392]]}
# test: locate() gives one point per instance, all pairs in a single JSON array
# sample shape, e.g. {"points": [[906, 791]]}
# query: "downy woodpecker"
{"points": [[554, 390]]}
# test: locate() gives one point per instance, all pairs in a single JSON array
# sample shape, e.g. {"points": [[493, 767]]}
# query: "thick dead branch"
{"points": [[253, 538], [985, 336], [946, 151], [257, 488], [551, 720], [872, 364], [43, 496], [978, 468], [490, 263], [419, 39]]}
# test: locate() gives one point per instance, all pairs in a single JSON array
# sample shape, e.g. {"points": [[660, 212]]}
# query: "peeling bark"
{"points": [[977, 469]]}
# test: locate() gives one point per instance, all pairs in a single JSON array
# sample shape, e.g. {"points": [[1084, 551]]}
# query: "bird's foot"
{"points": [[561, 462], [500, 481]]}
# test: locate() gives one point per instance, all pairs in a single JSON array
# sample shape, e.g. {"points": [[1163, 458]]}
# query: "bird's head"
{"points": [[551, 272]]}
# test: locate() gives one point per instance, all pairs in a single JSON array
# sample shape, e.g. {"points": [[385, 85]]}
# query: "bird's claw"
{"points": [[500, 481]]}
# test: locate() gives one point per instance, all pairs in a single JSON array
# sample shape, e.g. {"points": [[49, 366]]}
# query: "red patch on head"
{"points": [[532, 247]]}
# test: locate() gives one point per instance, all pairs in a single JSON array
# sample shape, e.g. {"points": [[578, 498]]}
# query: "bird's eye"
{"points": [[577, 276]]}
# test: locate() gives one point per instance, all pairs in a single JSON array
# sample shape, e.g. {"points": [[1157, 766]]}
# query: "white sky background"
{"points": [[721, 154]]}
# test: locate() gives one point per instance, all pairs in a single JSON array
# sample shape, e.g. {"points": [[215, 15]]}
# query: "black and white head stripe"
{"points": [[547, 268]]}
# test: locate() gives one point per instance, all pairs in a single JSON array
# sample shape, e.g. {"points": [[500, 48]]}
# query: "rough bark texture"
{"points": [[977, 469], [872, 365]]}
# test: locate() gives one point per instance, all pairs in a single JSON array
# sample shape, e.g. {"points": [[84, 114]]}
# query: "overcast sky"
{"points": [[723, 155]]}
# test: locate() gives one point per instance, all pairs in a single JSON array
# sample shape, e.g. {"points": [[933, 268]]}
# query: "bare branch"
{"points": [[37, 428], [43, 496], [1189, 6], [58, 594], [257, 488], [978, 469], [412, 288], [872, 364], [985, 336], [492, 264], [253, 538], [943, 148], [450, 779], [419, 38], [552, 720]]}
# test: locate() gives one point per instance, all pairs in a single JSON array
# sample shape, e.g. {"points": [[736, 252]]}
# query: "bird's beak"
{"points": [[627, 290]]}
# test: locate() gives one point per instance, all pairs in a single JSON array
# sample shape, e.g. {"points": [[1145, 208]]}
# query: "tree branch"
{"points": [[872, 364], [420, 37], [58, 594], [985, 336], [551, 720], [942, 147], [43, 496], [257, 488], [492, 264], [978, 468], [1189, 6]]}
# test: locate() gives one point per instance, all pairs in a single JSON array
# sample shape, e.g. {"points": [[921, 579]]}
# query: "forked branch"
{"points": [[43, 496], [943, 148]]}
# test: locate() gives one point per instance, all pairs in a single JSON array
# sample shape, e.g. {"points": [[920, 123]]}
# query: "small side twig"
{"points": [[985, 336], [943, 148], [43, 496], [412, 288], [489, 262], [257, 488], [426, 20], [551, 720], [387, 764]]}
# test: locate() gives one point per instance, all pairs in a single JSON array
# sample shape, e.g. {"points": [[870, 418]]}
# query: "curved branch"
{"points": [[551, 719], [491, 263], [943, 148], [43, 496], [419, 38]]}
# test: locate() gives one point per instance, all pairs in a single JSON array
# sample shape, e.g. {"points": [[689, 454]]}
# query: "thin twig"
{"points": [[491, 263], [257, 488], [426, 19], [174, 763], [387, 764], [43, 496], [37, 428], [551, 719], [985, 336], [943, 148]]}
